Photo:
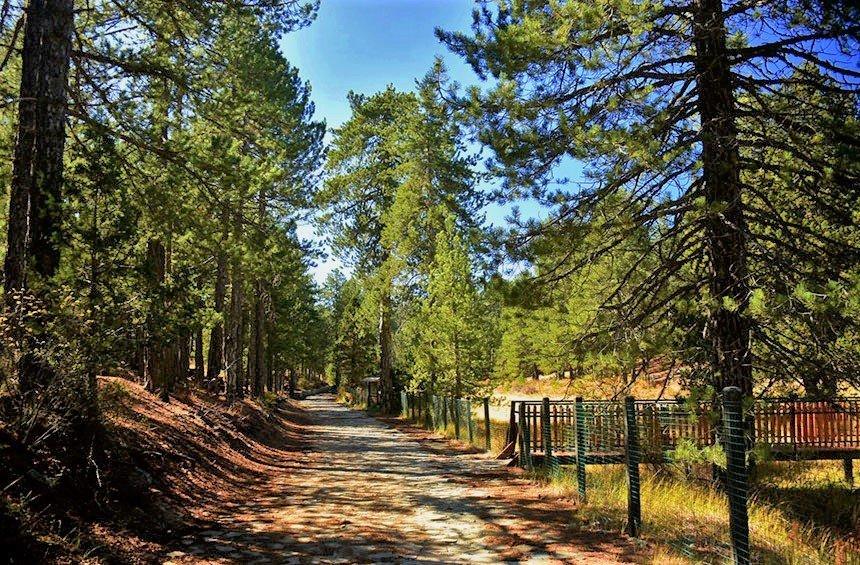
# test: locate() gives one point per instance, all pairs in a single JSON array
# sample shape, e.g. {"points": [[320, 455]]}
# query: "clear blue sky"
{"points": [[365, 45]]}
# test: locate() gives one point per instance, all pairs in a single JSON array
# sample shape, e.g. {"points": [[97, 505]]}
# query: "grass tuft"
{"points": [[686, 519]]}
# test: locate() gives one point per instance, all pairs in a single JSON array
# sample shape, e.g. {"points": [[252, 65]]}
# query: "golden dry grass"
{"points": [[685, 519]]}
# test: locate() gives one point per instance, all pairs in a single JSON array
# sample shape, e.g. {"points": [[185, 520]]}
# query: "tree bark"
{"points": [[157, 362], [198, 355], [184, 356], [234, 334], [242, 371], [270, 351], [216, 338], [386, 371], [46, 192], [37, 164], [725, 228], [258, 342], [257, 349], [14, 267]]}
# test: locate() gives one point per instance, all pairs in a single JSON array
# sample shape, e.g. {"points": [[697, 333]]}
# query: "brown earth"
{"points": [[310, 482]]}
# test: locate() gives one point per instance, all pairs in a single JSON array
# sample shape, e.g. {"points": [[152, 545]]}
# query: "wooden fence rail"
{"points": [[791, 429]]}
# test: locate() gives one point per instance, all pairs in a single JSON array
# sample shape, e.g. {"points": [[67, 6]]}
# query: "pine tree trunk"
{"points": [[157, 361], [37, 164], [198, 355], [252, 348], [258, 333], [216, 338], [184, 357], [14, 267], [234, 333], [386, 372], [242, 372], [270, 352], [46, 192], [725, 228], [458, 379]]}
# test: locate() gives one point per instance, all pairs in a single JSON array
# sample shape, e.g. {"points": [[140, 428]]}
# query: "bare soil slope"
{"points": [[161, 469]]}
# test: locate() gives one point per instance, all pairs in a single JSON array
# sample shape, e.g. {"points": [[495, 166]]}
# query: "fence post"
{"points": [[455, 414], [580, 447], [525, 456], [487, 423], [634, 455], [546, 432], [736, 471]]}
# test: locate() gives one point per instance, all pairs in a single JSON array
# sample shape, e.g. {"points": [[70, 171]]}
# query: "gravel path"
{"points": [[367, 493]]}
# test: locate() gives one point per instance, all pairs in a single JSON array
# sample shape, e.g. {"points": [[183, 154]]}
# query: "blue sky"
{"points": [[365, 45]]}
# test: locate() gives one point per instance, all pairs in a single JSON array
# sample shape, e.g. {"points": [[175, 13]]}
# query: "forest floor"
{"points": [[198, 480], [363, 490]]}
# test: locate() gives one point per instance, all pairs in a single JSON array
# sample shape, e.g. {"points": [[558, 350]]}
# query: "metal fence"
{"points": [[549, 434], [449, 415]]}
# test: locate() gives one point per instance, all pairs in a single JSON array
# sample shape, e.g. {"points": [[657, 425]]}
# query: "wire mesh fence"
{"points": [[723, 481], [464, 419], [682, 471]]}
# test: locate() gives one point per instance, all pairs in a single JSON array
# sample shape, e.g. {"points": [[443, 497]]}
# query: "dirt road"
{"points": [[366, 492]]}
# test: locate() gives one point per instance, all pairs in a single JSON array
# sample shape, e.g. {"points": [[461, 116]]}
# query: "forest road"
{"points": [[367, 493]]}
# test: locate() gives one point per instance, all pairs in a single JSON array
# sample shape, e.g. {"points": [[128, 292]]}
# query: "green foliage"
{"points": [[621, 87], [453, 344], [400, 183], [194, 141], [353, 351], [686, 451]]}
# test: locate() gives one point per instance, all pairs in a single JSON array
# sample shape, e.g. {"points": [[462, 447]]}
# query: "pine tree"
{"points": [[654, 96], [453, 344]]}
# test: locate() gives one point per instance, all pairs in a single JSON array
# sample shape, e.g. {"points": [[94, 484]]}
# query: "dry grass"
{"points": [[587, 386], [686, 519]]}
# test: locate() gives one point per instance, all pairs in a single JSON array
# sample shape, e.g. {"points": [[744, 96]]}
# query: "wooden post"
{"points": [[445, 412], [736, 474], [512, 425], [634, 454], [848, 468], [487, 423], [525, 456], [580, 447], [546, 432], [367, 404]]}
